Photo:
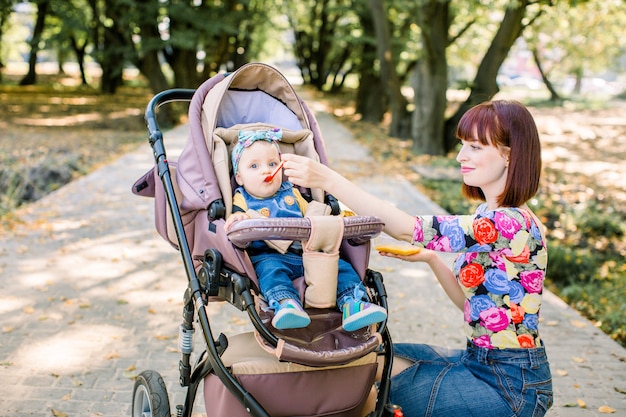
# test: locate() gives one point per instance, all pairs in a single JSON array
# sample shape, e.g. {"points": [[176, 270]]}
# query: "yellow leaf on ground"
{"points": [[561, 372], [578, 360], [581, 403], [579, 324], [57, 413], [605, 409], [112, 355]]}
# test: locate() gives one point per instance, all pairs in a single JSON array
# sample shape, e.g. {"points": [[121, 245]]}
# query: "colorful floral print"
{"points": [[501, 268]]}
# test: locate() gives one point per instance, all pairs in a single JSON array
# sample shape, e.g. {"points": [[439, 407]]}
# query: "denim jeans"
{"points": [[275, 272], [472, 382]]}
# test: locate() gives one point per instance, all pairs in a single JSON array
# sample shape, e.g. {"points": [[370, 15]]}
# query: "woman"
{"points": [[496, 280]]}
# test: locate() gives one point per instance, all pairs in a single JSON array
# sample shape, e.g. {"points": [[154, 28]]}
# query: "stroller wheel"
{"points": [[150, 396]]}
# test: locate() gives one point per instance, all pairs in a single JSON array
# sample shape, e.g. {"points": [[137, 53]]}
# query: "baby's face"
{"points": [[257, 162]]}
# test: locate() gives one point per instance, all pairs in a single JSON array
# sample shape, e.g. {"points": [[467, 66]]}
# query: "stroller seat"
{"points": [[320, 370], [286, 388]]}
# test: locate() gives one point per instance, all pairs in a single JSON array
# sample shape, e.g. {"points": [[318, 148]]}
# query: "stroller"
{"points": [[320, 370]]}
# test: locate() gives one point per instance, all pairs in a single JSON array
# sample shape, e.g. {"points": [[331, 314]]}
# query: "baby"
{"points": [[255, 157]]}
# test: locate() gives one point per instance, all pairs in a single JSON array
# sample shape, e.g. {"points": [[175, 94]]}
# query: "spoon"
{"points": [[272, 175]]}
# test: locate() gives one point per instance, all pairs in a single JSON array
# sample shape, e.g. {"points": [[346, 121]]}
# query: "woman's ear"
{"points": [[505, 151]]}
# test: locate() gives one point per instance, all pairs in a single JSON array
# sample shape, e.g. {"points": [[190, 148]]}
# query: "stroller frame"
{"points": [[214, 280]]}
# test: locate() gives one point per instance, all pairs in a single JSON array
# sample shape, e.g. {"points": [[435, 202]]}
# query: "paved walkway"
{"points": [[90, 296]]}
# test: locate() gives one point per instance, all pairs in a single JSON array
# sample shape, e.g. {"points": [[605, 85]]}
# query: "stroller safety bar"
{"points": [[358, 229]]}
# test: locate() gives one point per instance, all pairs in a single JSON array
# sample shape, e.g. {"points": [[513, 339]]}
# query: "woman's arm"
{"points": [[444, 274], [306, 172]]}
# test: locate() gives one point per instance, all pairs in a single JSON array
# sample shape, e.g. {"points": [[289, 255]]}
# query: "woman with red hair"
{"points": [[496, 280]]}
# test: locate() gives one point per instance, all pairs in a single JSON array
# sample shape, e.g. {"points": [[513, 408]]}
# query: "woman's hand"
{"points": [[424, 255], [306, 172]]}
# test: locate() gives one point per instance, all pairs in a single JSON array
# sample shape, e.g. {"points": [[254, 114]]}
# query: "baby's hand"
{"points": [[235, 217]]}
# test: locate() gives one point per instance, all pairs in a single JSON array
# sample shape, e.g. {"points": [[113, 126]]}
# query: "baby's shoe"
{"points": [[289, 314], [358, 314]]}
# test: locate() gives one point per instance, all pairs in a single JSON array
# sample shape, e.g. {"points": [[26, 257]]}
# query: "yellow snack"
{"points": [[398, 250]]}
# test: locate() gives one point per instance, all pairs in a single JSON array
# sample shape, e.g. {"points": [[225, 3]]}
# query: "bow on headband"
{"points": [[248, 137]]}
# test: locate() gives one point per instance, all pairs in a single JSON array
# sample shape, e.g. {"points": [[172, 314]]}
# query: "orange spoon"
{"points": [[272, 175]]}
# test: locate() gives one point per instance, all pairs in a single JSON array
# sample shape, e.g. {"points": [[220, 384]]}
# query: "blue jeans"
{"points": [[472, 382], [276, 272]]}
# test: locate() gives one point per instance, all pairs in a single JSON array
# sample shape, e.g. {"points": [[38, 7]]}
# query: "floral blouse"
{"points": [[501, 268]]}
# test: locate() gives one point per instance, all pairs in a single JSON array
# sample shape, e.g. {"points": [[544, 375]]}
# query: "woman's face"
{"points": [[483, 166], [257, 162]]}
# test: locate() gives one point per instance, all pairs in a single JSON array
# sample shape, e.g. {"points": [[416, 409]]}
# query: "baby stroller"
{"points": [[320, 370]]}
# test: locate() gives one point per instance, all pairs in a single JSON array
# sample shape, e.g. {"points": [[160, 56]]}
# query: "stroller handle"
{"points": [[164, 97]]}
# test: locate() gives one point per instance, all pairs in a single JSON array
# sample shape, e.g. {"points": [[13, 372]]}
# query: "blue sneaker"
{"points": [[290, 315], [358, 314]]}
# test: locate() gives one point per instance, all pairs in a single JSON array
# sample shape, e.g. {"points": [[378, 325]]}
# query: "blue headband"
{"points": [[247, 137]]}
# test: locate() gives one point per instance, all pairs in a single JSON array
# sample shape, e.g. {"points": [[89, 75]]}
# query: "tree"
{"points": [[324, 40], [6, 8], [42, 10], [388, 70], [573, 42], [430, 81]]}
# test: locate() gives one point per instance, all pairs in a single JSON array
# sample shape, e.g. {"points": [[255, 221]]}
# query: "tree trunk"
{"points": [[430, 81], [42, 10], [554, 96], [485, 86], [79, 51], [371, 101], [400, 118]]}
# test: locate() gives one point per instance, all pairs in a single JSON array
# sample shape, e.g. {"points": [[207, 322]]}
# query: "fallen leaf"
{"points": [[57, 413], [112, 355], [561, 372], [581, 403], [620, 390], [7, 329], [130, 375], [151, 311], [605, 409], [131, 368], [578, 360], [29, 310], [579, 324], [66, 397]]}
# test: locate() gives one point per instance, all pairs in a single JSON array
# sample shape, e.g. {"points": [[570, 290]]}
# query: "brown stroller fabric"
{"points": [[287, 389]]}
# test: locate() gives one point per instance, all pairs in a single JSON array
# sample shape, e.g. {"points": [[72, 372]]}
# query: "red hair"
{"points": [[508, 126]]}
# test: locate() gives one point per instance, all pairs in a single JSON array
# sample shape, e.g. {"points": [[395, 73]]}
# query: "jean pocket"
{"points": [[544, 400]]}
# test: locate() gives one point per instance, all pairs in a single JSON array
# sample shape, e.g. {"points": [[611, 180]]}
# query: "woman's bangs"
{"points": [[476, 125]]}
